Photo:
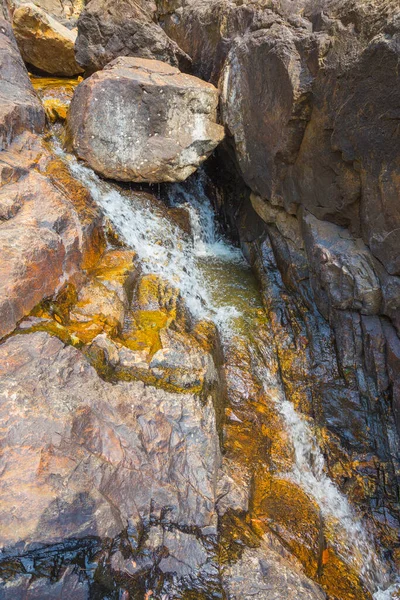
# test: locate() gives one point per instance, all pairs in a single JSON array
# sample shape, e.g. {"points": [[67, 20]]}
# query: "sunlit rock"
{"points": [[63, 10], [144, 121], [44, 42], [86, 458], [111, 28], [45, 236], [20, 109]]}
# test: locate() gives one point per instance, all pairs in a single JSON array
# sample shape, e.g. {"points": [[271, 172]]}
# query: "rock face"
{"points": [[20, 109], [122, 476], [311, 126], [111, 28], [44, 42], [342, 269], [141, 120], [118, 435], [45, 238], [46, 235], [287, 75]]}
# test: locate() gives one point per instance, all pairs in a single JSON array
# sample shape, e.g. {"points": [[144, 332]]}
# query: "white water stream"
{"points": [[164, 250]]}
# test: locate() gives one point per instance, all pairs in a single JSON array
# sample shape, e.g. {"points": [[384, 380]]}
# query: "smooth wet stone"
{"points": [[144, 121], [44, 42]]}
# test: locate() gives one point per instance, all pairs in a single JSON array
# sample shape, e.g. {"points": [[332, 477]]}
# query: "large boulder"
{"points": [[20, 109], [111, 28], [44, 42], [144, 121], [266, 102]]}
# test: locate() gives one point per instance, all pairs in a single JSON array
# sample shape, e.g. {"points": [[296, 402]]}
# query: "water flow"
{"points": [[161, 245], [346, 531], [184, 261]]}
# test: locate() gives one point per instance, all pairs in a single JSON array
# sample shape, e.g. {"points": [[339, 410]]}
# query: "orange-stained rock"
{"points": [[45, 236], [44, 42], [55, 94], [96, 301]]}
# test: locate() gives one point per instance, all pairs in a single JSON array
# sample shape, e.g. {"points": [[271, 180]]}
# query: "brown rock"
{"points": [[84, 457], [342, 269], [45, 238], [19, 107], [265, 573], [111, 28], [141, 120], [44, 42], [64, 10]]}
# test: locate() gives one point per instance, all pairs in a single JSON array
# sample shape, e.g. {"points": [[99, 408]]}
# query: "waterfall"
{"points": [[185, 261]]}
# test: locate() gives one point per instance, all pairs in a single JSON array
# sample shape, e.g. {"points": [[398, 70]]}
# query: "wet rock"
{"points": [[85, 457], [97, 302], [342, 268], [20, 109], [27, 587], [263, 574], [44, 42], [46, 237], [55, 94], [182, 361], [141, 120], [108, 29], [334, 371]]}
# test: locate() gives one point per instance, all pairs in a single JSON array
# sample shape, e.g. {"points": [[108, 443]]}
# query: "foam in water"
{"points": [[165, 251], [161, 246]]}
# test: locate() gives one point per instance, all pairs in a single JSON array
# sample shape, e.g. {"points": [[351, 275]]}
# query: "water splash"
{"points": [[161, 246]]}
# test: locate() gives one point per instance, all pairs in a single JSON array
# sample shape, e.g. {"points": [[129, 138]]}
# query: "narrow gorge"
{"points": [[199, 299]]}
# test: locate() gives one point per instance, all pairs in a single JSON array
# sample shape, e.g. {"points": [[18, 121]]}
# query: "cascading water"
{"points": [[190, 263]]}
